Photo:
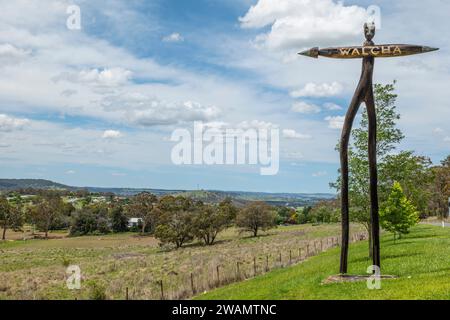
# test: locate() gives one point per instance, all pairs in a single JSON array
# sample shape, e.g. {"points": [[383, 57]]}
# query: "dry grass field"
{"points": [[36, 269]]}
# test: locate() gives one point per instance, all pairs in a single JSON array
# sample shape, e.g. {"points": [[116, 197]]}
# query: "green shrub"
{"points": [[96, 291]]}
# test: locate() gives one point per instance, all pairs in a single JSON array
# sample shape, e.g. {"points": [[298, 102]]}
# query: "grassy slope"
{"points": [[35, 269], [421, 260]]}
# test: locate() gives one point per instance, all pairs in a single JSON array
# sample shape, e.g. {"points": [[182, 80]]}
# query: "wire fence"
{"points": [[203, 278]]}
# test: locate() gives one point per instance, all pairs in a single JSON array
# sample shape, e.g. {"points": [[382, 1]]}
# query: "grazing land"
{"points": [[421, 261], [36, 269]]}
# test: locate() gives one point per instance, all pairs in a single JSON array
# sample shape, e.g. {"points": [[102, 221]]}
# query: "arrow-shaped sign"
{"points": [[377, 51]]}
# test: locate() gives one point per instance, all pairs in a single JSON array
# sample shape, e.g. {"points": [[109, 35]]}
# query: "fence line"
{"points": [[235, 271]]}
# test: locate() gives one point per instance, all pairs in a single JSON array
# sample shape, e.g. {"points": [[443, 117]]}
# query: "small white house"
{"points": [[134, 222]]}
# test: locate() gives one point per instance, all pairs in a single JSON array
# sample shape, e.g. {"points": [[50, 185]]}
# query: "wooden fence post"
{"points": [[238, 272], [162, 289], [192, 284], [126, 294], [267, 263], [254, 266], [218, 274], [290, 256]]}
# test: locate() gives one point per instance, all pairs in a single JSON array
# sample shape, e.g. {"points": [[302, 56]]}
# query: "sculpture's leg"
{"points": [[374, 209], [346, 131], [345, 203]]}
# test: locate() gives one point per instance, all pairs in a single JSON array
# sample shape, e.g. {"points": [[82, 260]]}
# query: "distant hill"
{"points": [[211, 196], [14, 184]]}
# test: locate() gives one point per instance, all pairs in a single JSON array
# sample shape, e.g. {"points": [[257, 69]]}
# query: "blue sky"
{"points": [[97, 106]]}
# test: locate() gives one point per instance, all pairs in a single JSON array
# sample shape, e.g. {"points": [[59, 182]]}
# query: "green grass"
{"points": [[421, 260]]}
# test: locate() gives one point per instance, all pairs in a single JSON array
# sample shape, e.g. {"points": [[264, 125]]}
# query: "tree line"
{"points": [[174, 220]]}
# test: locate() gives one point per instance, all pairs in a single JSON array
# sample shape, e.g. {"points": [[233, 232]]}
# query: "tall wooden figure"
{"points": [[364, 93]]}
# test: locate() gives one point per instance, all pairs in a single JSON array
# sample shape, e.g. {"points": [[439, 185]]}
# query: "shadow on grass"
{"points": [[385, 257], [436, 271], [260, 236], [396, 256], [423, 236]]}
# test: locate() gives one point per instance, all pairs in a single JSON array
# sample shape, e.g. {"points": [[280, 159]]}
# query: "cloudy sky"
{"points": [[97, 106]]}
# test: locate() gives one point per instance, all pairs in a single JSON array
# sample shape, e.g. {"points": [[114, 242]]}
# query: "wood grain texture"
{"points": [[376, 51]]}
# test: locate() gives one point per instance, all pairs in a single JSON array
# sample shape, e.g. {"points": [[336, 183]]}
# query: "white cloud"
{"points": [[319, 174], [143, 110], [110, 77], [292, 134], [305, 108], [257, 125], [438, 131], [302, 23], [51, 143], [11, 54], [168, 94], [8, 124], [318, 90], [447, 139], [112, 134], [74, 73], [332, 106], [335, 122], [71, 172], [174, 37]]}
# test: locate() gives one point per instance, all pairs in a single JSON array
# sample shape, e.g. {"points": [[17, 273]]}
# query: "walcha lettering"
{"points": [[357, 52]]}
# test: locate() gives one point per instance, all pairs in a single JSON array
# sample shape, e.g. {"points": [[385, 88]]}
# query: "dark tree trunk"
{"points": [[4, 233], [213, 238], [345, 139], [364, 93], [369, 231], [374, 208]]}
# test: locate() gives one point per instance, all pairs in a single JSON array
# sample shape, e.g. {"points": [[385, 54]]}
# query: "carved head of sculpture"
{"points": [[369, 30]]}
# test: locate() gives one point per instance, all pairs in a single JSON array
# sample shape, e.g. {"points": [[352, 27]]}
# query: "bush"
{"points": [[304, 215], [96, 291], [119, 221], [398, 214], [91, 219], [176, 228], [325, 212], [210, 220], [286, 215], [255, 217]]}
